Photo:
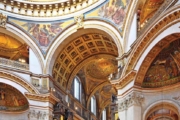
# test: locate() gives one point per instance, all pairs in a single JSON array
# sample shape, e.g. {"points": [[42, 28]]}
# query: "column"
{"points": [[129, 107]]}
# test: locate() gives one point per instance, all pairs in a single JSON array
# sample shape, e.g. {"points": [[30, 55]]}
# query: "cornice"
{"points": [[122, 82], [43, 97], [45, 9]]}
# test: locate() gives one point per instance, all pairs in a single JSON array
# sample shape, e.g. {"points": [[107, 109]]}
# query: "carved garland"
{"points": [[141, 46], [131, 99]]}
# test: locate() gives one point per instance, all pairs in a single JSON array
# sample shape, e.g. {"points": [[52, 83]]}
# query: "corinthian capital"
{"points": [[130, 100]]}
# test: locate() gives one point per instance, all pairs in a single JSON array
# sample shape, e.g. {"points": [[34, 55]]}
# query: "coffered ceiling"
{"points": [[79, 50]]}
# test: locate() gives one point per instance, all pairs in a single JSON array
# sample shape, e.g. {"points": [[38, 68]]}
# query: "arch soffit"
{"points": [[94, 90], [18, 80], [90, 26], [158, 105], [20, 35], [170, 18], [78, 67]]}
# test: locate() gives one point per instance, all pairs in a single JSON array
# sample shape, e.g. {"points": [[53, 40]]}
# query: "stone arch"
{"points": [[165, 104], [157, 46], [90, 26], [14, 80], [20, 35], [160, 29]]}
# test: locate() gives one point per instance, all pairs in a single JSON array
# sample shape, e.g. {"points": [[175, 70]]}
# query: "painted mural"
{"points": [[11, 99], [165, 69], [113, 11], [43, 33]]}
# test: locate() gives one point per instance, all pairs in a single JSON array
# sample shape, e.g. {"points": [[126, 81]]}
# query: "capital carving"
{"points": [[130, 100], [3, 20]]}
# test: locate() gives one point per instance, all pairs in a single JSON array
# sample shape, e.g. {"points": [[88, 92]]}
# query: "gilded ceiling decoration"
{"points": [[11, 48], [80, 49], [11, 99], [148, 9], [165, 68], [101, 68]]}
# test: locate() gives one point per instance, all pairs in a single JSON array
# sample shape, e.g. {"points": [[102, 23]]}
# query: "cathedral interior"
{"points": [[89, 60]]}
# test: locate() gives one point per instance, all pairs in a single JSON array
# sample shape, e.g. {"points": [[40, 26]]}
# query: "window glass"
{"points": [[77, 88], [93, 105]]}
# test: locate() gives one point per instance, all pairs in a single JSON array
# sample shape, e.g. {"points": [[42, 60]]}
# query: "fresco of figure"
{"points": [[2, 95], [43, 36]]}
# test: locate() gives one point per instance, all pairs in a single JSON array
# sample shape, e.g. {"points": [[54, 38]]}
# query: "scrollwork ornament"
{"points": [[79, 21], [130, 100], [3, 20]]}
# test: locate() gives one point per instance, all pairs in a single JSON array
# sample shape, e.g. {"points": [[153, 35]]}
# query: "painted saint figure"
{"points": [[2, 94]]}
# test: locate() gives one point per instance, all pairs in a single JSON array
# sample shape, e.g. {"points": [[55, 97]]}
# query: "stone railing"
{"points": [[14, 64]]}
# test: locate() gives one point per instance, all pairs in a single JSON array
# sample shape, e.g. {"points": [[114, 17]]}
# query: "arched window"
{"points": [[104, 114], [93, 105], [77, 88]]}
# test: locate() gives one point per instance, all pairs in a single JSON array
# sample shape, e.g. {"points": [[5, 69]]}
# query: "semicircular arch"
{"points": [[90, 26], [14, 80], [20, 35], [162, 28], [159, 105]]}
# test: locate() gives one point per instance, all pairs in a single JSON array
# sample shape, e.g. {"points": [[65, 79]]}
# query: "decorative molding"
{"points": [[45, 9], [18, 81], [43, 97], [122, 82], [161, 24], [130, 100], [79, 21], [3, 20]]}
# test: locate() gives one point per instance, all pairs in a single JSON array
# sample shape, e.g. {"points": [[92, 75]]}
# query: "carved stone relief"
{"points": [[39, 115], [3, 20], [130, 100]]}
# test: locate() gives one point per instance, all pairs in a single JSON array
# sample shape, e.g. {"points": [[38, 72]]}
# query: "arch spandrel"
{"points": [[90, 26]]}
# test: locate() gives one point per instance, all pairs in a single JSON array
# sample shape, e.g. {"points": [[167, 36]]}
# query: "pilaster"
{"points": [[129, 107]]}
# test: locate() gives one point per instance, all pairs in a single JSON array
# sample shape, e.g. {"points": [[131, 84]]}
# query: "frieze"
{"points": [[130, 100], [40, 115]]}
